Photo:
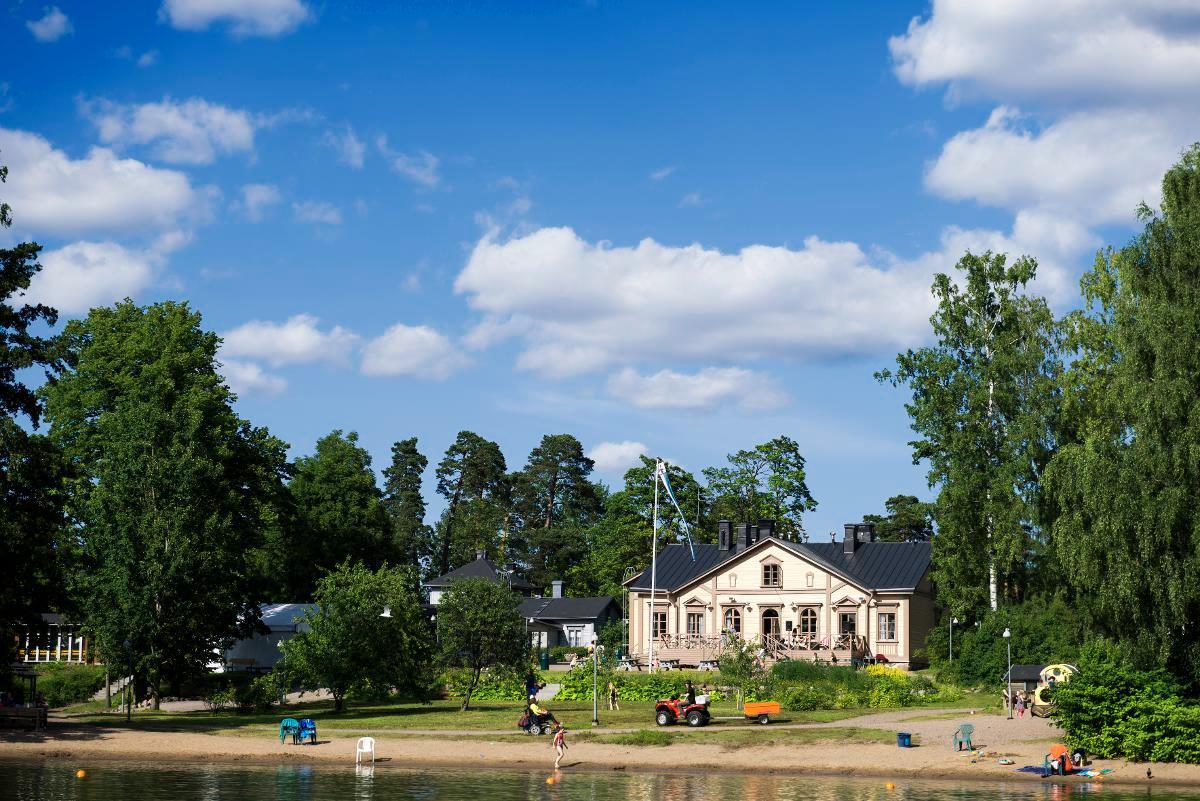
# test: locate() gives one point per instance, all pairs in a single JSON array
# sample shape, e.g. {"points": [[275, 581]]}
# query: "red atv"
{"points": [[675, 709]]}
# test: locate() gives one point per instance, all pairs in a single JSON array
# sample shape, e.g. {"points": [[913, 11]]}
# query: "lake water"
{"points": [[55, 780]]}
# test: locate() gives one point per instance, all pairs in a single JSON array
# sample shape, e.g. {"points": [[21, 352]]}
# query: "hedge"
{"points": [[576, 685], [66, 683]]}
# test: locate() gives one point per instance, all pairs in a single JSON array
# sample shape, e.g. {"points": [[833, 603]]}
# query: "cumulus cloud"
{"points": [[315, 211], [55, 193], [248, 378], [299, 340], [581, 307], [51, 26], [82, 275], [242, 17], [702, 391], [417, 351], [614, 457], [421, 167], [349, 148], [256, 198], [178, 132]]}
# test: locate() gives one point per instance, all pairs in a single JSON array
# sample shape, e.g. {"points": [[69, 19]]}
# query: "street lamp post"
{"points": [[1008, 644], [953, 620], [597, 650]]}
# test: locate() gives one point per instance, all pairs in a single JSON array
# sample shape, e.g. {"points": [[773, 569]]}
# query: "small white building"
{"points": [[260, 652]]}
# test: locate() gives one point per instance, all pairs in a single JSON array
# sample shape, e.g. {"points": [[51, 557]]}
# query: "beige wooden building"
{"points": [[841, 602]]}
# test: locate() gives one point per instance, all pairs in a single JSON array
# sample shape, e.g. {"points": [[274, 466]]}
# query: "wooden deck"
{"points": [[693, 651]]}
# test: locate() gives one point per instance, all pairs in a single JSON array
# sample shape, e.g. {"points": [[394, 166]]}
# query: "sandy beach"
{"points": [[1023, 741]]}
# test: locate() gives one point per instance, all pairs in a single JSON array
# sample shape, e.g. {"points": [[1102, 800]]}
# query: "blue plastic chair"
{"points": [[289, 726], [308, 731]]}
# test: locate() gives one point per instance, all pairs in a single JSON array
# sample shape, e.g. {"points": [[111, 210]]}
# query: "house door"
{"points": [[770, 624], [847, 622]]}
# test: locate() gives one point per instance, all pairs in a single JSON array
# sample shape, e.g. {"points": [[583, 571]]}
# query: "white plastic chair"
{"points": [[365, 745]]}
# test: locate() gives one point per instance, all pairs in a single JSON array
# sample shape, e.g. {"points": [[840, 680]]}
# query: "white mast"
{"points": [[653, 564]]}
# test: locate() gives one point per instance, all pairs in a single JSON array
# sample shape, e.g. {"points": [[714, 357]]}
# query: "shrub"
{"points": [[494, 684], [258, 695], [65, 683], [576, 685], [220, 698]]}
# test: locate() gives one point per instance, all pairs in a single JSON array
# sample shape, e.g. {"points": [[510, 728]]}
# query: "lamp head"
{"points": [[387, 611], [1007, 634]]}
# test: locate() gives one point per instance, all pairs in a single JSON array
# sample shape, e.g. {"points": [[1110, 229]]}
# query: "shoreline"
{"points": [[824, 760]]}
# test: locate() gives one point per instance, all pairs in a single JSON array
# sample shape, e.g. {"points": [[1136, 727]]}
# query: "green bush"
{"points": [[494, 685], [220, 697], [576, 685], [806, 686], [258, 695], [66, 683]]}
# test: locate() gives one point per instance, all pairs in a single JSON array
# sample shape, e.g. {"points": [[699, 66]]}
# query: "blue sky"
{"points": [[686, 228]]}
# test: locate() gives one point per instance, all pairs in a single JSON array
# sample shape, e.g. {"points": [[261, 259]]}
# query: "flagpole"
{"points": [[653, 565]]}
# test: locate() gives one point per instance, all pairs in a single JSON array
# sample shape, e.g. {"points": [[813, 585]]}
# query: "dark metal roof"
{"points": [[566, 608], [480, 568], [873, 565], [1027, 672]]}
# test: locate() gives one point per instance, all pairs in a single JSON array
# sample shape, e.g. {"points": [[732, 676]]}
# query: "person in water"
{"points": [[559, 743]]}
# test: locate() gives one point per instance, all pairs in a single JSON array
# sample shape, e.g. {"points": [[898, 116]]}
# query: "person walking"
{"points": [[1020, 705], [560, 743]]}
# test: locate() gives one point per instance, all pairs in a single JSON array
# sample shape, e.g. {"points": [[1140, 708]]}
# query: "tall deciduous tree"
{"points": [[171, 487], [473, 479], [767, 481], [339, 511], [983, 404], [1125, 487], [351, 647], [404, 503], [694, 500], [480, 627], [908, 519]]}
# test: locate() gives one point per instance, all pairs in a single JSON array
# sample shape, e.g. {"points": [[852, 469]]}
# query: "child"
{"points": [[559, 743], [613, 697]]}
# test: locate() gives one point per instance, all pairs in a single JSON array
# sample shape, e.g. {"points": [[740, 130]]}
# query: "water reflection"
{"points": [[54, 780]]}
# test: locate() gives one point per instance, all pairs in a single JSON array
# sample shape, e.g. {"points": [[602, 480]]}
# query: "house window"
{"points": [[772, 575], [658, 626], [695, 624], [847, 622], [887, 625], [733, 621], [808, 622], [575, 635]]}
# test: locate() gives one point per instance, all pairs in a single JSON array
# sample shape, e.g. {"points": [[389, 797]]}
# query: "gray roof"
{"points": [[873, 565], [285, 616], [1027, 672], [566, 608], [480, 568]]}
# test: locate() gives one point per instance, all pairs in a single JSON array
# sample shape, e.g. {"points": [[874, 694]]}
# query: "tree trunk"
{"points": [[339, 702], [470, 689], [445, 565]]}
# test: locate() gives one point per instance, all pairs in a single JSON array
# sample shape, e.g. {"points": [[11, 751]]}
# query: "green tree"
{"points": [[742, 669], [767, 481], [170, 487], [480, 627], [339, 511], [350, 647], [617, 542], [983, 404], [908, 519], [1125, 486], [471, 474], [404, 503], [694, 500]]}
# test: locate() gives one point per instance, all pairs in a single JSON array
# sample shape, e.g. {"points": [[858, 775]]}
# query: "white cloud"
{"points": [[256, 198], [581, 307], [178, 132], [243, 17], [1071, 51], [663, 172], [691, 200], [148, 59], [418, 351], [299, 340], [421, 167], [51, 26], [350, 149], [613, 457], [52, 192], [317, 212], [82, 275], [247, 378], [702, 391]]}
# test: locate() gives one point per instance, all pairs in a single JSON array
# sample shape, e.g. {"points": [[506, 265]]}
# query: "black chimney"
{"points": [[850, 540], [724, 535], [743, 537], [766, 528]]}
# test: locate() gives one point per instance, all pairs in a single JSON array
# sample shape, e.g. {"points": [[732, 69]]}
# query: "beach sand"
{"points": [[1023, 741]]}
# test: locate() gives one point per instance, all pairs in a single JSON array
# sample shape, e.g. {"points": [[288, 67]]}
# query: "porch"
{"points": [[692, 650]]}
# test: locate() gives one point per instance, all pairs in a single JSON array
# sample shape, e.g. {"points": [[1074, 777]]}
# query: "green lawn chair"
{"points": [[289, 726], [962, 737]]}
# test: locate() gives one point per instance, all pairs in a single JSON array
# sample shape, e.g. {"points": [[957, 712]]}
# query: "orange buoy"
{"points": [[549, 780], [80, 774], [890, 786]]}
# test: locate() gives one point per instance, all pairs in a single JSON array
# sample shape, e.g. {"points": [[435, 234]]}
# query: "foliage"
{"points": [[612, 636], [1043, 632], [404, 504], [767, 481], [1113, 709], [501, 684], [983, 404], [576, 685], [350, 647], [743, 670], [619, 540], [169, 487], [64, 683], [693, 499], [340, 513], [480, 627], [1124, 486], [806, 686], [908, 519], [472, 478], [260, 694]]}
